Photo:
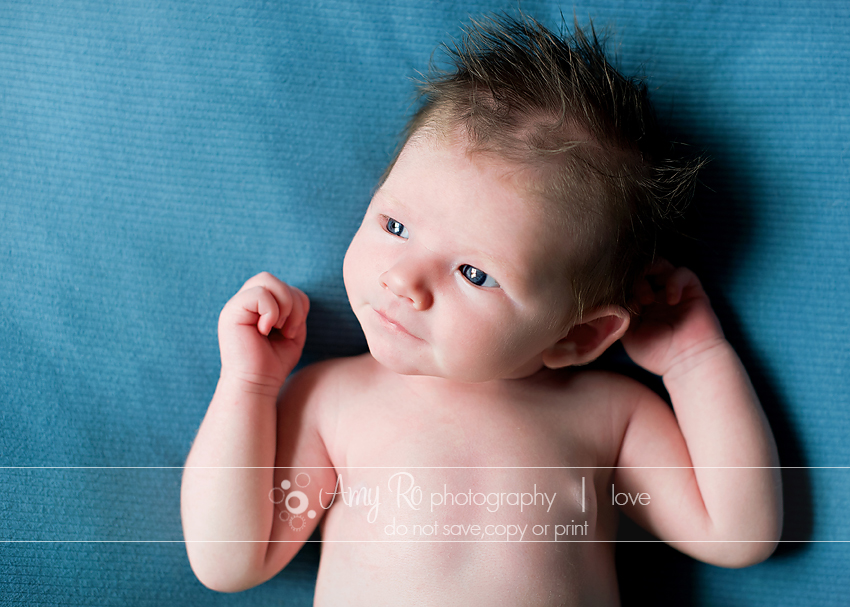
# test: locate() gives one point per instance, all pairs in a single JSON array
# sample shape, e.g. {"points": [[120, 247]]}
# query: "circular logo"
{"points": [[295, 502]]}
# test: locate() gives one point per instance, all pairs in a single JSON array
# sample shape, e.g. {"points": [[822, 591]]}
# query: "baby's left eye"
{"points": [[397, 228], [477, 277]]}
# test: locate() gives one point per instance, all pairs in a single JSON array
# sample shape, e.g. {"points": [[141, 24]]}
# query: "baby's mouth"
{"points": [[392, 325]]}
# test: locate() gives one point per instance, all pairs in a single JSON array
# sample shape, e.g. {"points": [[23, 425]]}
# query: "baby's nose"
{"points": [[408, 279]]}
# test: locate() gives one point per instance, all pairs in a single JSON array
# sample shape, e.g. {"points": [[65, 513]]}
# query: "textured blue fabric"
{"points": [[155, 154]]}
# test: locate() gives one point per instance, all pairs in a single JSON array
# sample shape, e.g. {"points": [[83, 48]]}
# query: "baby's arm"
{"points": [[234, 537], [732, 516]]}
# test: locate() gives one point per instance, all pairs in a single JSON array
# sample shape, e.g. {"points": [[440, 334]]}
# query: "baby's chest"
{"points": [[487, 496], [535, 430], [476, 471]]}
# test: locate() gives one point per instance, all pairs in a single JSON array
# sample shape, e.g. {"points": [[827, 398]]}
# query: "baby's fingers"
{"points": [[298, 313], [682, 283], [267, 281], [643, 292], [268, 309], [254, 306], [278, 289], [660, 269], [290, 304]]}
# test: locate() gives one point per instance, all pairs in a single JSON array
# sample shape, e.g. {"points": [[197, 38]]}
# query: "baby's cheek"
{"points": [[477, 351], [517, 344], [347, 268], [355, 265]]}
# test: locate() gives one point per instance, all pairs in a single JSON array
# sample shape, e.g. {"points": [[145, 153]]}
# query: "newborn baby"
{"points": [[468, 458]]}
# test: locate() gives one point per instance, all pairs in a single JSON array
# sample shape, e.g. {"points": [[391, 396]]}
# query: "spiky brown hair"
{"points": [[555, 102]]}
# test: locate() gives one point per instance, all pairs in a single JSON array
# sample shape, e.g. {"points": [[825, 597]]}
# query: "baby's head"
{"points": [[525, 202]]}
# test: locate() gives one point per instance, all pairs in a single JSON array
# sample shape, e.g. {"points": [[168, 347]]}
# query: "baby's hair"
{"points": [[553, 103]]}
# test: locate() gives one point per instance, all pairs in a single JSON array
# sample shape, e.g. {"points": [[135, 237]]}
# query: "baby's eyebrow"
{"points": [[495, 261], [393, 199]]}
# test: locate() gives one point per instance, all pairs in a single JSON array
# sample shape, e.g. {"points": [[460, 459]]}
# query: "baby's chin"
{"points": [[421, 359], [402, 365], [397, 362]]}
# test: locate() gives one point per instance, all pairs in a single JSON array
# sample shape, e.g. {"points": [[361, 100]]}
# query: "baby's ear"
{"points": [[588, 338]]}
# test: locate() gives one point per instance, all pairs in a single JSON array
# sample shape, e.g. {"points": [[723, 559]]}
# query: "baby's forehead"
{"points": [[506, 211], [509, 170], [533, 183], [523, 182]]}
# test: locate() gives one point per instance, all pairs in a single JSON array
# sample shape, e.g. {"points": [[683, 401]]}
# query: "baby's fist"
{"points": [[676, 325], [261, 333]]}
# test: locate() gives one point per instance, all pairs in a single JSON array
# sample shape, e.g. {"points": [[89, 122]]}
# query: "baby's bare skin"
{"points": [[523, 430], [473, 383]]}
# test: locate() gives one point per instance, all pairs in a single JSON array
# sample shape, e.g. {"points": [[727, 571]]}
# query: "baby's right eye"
{"points": [[394, 227]]}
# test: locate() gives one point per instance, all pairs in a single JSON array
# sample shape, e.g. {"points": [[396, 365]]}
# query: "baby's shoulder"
{"points": [[598, 386], [340, 371], [592, 410], [312, 397], [596, 396], [321, 383]]}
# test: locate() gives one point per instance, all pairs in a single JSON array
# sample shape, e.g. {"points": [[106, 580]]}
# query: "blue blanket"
{"points": [[156, 154]]}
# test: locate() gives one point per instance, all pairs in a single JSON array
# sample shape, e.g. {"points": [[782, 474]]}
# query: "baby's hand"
{"points": [[676, 325], [261, 333]]}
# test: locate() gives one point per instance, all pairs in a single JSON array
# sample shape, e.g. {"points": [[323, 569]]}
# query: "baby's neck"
{"points": [[436, 386]]}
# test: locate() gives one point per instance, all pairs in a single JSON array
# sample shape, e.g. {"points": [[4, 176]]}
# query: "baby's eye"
{"points": [[477, 277], [394, 227]]}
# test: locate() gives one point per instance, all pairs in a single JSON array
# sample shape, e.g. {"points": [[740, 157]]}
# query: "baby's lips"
{"points": [[389, 319]]}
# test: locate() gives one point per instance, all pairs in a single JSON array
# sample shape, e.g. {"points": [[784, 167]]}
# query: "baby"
{"points": [[468, 459]]}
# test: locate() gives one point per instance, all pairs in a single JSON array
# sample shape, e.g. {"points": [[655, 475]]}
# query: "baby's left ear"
{"points": [[588, 338]]}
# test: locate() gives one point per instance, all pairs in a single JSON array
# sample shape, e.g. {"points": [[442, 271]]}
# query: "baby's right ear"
{"points": [[588, 338]]}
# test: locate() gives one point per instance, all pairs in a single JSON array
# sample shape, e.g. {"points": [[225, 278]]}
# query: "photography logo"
{"points": [[295, 502]]}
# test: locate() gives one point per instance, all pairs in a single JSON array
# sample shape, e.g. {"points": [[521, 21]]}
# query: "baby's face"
{"points": [[455, 272]]}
